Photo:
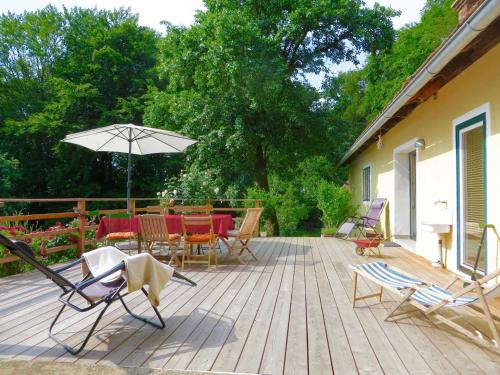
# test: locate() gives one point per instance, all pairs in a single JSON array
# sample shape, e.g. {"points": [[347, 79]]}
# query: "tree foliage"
{"points": [[67, 71], [358, 96], [232, 82]]}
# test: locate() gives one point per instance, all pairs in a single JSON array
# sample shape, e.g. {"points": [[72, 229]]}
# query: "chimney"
{"points": [[465, 8]]}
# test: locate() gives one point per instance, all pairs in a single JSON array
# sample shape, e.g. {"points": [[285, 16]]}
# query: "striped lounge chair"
{"points": [[430, 299]]}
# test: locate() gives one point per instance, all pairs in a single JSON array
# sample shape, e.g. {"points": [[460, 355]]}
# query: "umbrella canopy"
{"points": [[130, 139]]}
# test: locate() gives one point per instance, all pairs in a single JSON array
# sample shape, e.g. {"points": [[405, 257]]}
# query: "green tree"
{"points": [[67, 71], [9, 174], [354, 98], [234, 82]]}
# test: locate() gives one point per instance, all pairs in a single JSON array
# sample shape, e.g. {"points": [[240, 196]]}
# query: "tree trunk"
{"points": [[262, 182]]}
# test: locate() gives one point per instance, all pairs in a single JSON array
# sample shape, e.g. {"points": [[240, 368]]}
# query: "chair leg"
{"points": [[145, 320], [70, 349], [183, 257], [216, 258], [173, 248], [244, 246], [228, 246], [393, 313], [354, 288], [489, 317], [209, 251]]}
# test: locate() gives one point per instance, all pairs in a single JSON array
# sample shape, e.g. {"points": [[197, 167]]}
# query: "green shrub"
{"points": [[290, 209], [288, 203], [335, 203], [329, 231], [266, 202]]}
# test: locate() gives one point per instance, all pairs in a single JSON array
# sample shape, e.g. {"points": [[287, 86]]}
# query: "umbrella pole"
{"points": [[129, 188], [129, 173]]}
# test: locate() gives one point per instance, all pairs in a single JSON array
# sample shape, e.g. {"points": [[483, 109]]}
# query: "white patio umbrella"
{"points": [[130, 139]]}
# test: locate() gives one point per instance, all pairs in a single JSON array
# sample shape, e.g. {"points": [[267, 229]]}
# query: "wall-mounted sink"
{"points": [[438, 228]]}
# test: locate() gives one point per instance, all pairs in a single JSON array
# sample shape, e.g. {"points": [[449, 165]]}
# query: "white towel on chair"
{"points": [[102, 260], [144, 269]]}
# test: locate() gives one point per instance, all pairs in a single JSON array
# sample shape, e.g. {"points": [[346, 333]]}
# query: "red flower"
{"points": [[73, 239]]}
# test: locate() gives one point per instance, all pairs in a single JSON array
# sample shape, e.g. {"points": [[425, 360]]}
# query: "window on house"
{"points": [[366, 184]]}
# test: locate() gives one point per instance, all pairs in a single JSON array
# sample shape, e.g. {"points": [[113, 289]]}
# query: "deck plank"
{"points": [[296, 357], [251, 355], [362, 350], [217, 316], [227, 358], [288, 313], [205, 358], [338, 343], [273, 359], [320, 361]]}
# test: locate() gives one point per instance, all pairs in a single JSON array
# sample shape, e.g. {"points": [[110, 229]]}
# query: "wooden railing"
{"points": [[78, 208]]}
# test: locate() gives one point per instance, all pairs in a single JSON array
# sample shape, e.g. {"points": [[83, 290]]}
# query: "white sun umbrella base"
{"points": [[130, 139]]}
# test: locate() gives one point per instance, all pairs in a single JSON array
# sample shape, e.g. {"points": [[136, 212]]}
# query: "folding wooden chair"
{"points": [[117, 239], [154, 231], [198, 230], [94, 290], [430, 299], [241, 237]]}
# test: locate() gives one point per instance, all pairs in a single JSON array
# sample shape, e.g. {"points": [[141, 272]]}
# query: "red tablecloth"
{"points": [[222, 223]]}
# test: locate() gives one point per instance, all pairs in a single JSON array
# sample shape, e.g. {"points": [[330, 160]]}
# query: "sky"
{"points": [[181, 12]]}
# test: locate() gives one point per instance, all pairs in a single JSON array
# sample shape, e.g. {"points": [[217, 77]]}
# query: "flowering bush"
{"points": [[13, 230], [191, 186], [39, 243]]}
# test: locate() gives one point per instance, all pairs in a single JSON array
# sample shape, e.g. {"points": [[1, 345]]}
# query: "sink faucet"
{"points": [[441, 202]]}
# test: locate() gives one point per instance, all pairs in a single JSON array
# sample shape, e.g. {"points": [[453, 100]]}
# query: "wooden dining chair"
{"points": [[198, 237], [122, 240], [243, 235], [154, 231]]}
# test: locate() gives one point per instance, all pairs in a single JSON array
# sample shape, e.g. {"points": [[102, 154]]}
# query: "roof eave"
{"points": [[477, 22]]}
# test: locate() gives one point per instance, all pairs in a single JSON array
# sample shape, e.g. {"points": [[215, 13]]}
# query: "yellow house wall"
{"points": [[475, 89]]}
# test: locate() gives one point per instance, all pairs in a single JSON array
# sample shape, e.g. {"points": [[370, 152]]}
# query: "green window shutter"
{"points": [[366, 184]]}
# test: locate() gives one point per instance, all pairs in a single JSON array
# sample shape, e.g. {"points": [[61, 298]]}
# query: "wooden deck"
{"points": [[288, 313]]}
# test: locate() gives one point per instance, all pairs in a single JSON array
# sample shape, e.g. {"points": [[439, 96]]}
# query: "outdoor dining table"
{"points": [[222, 224]]}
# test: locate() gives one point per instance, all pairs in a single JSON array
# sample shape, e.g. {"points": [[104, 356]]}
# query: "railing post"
{"points": [[82, 221], [256, 232], [132, 207]]}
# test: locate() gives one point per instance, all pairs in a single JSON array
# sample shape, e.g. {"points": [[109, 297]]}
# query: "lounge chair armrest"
{"points": [[368, 218], [68, 266], [84, 284], [454, 280]]}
